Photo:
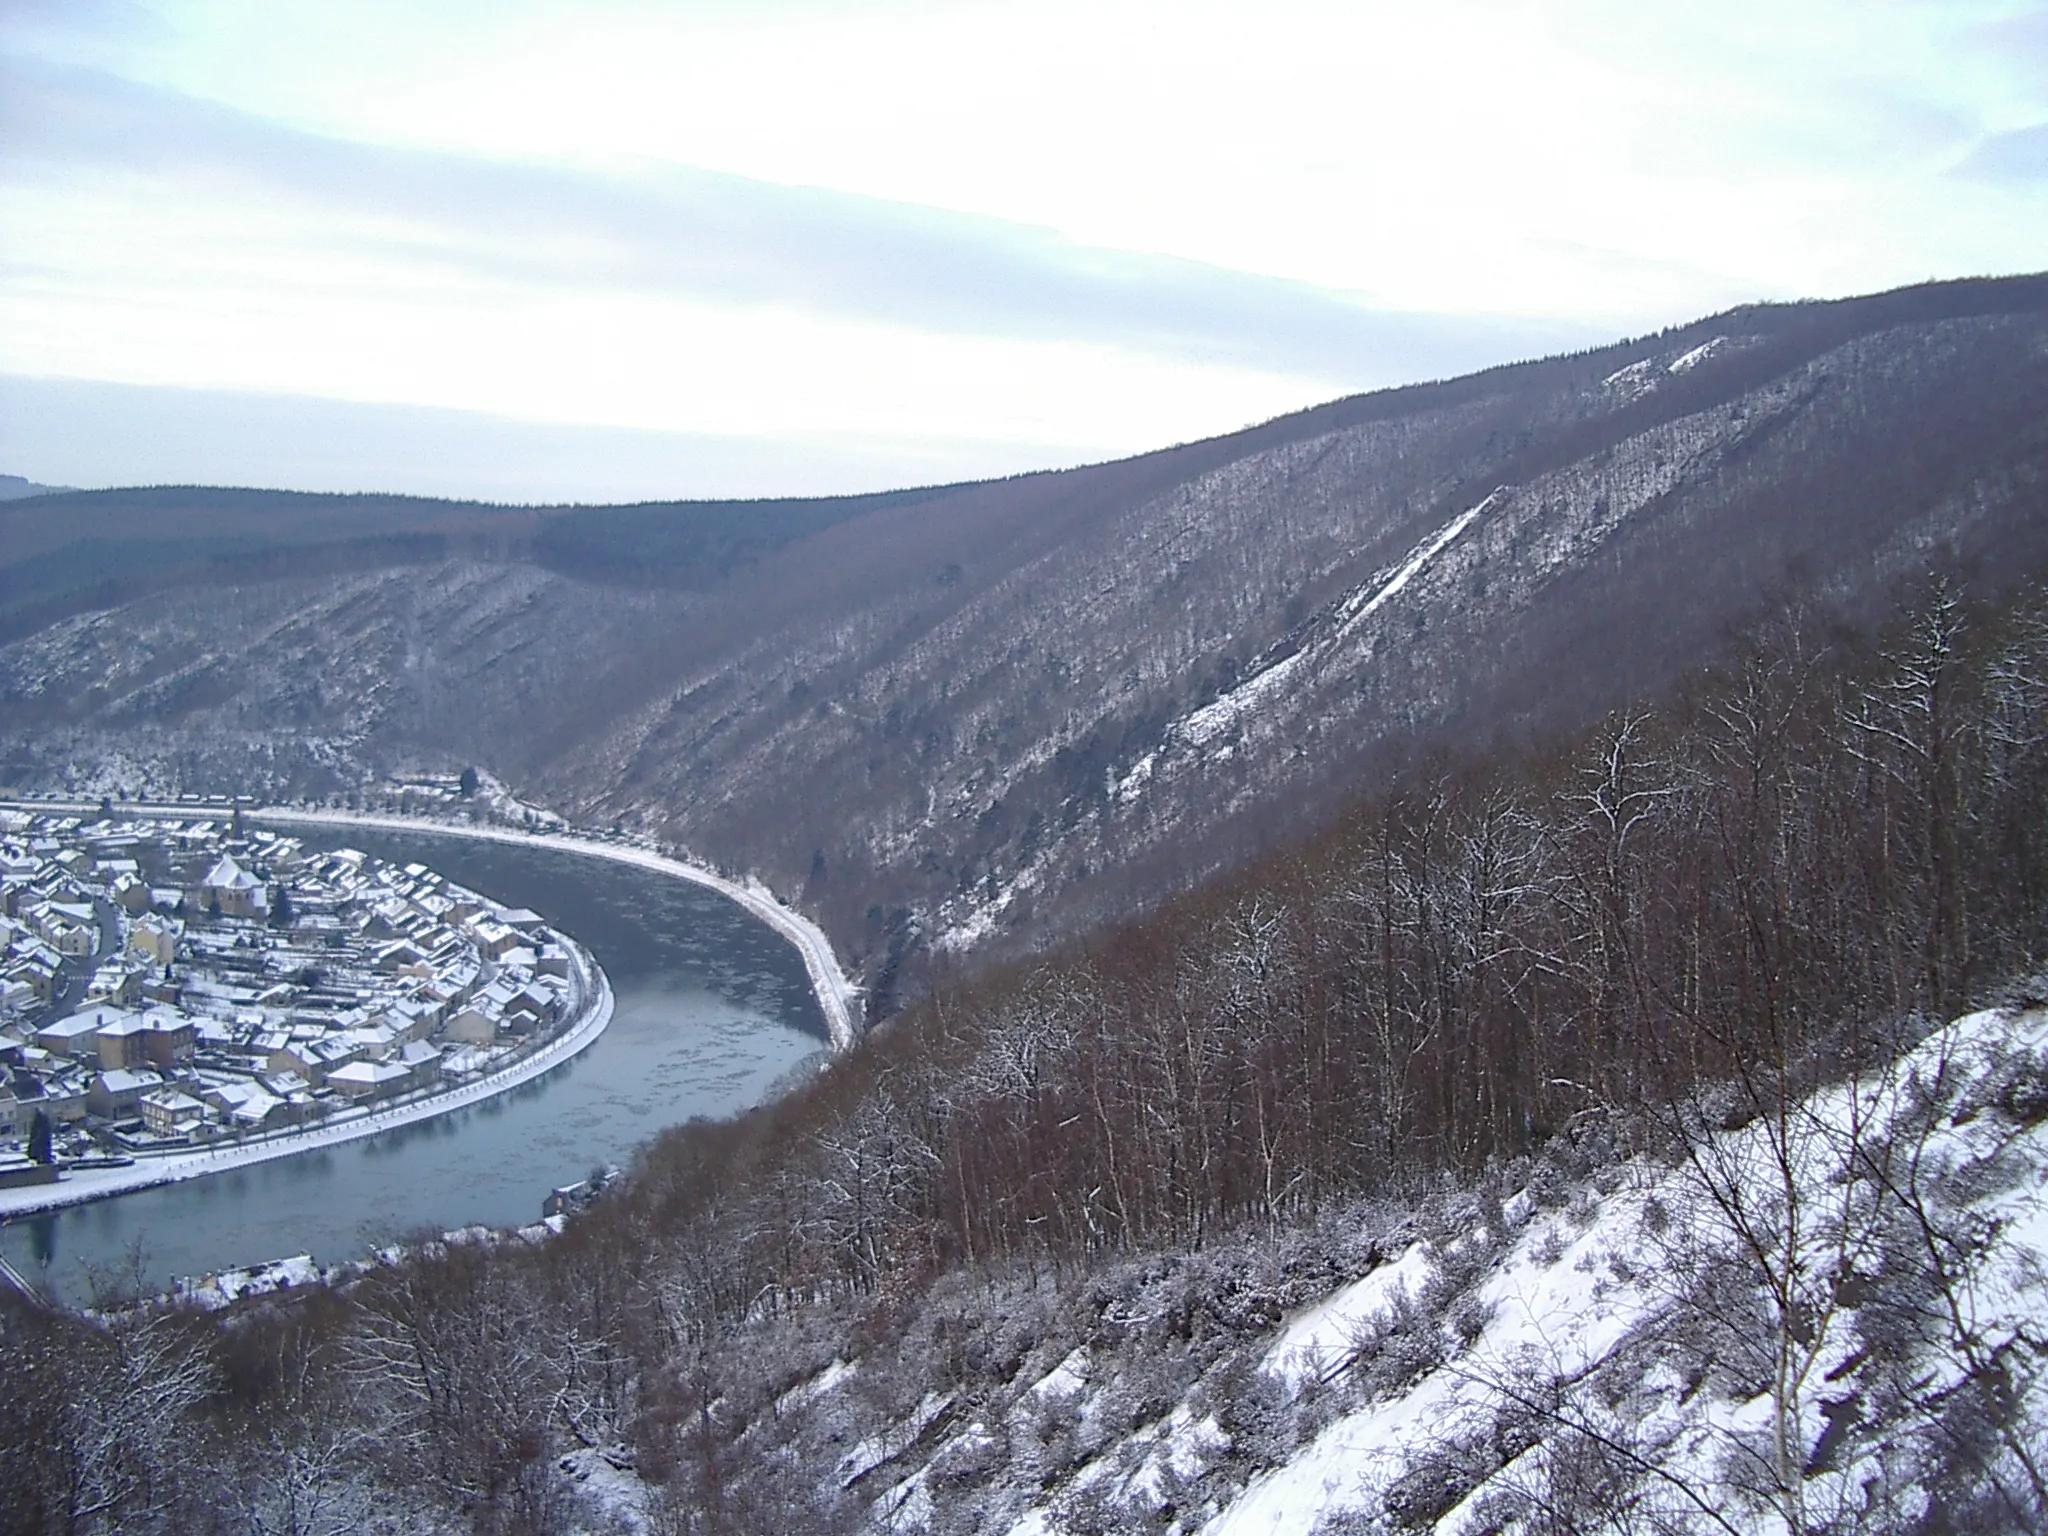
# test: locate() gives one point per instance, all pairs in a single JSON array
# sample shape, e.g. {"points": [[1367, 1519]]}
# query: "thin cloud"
{"points": [[702, 234], [2019, 156]]}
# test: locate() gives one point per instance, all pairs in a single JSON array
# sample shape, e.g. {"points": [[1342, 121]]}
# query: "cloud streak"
{"points": [[2017, 157], [949, 233], [663, 229]]}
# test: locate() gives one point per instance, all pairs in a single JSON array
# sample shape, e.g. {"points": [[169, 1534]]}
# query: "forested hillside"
{"points": [[1025, 1260], [979, 718]]}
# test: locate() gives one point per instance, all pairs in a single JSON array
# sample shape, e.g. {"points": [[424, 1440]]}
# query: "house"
{"points": [[77, 1034], [115, 982], [171, 1111], [162, 989], [155, 938], [246, 1106], [66, 934], [412, 1018], [421, 1061], [300, 1057], [326, 1056], [119, 1044], [525, 919], [435, 908], [388, 918], [463, 904], [540, 1000], [493, 938], [169, 1038], [521, 1006], [37, 951], [365, 1041], [36, 971], [369, 1079], [117, 1092], [64, 1099], [260, 1111], [452, 983], [292, 1087], [130, 894], [472, 1025], [400, 955]]}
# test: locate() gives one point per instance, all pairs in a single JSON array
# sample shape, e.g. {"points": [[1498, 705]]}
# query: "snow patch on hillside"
{"points": [[1267, 686], [1685, 362], [1640, 377], [1635, 379], [1358, 610], [1212, 720], [1329, 1335]]}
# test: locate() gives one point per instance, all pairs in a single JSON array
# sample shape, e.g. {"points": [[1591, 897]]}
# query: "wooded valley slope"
{"points": [[987, 715]]}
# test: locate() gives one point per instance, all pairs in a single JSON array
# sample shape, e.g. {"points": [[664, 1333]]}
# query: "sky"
{"points": [[530, 250]]}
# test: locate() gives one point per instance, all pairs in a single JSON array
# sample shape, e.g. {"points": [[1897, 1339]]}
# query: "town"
{"points": [[168, 985]]}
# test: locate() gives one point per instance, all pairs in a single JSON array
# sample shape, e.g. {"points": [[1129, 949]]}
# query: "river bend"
{"points": [[715, 1010]]}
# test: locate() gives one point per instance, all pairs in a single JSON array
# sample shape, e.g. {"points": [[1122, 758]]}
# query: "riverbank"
{"points": [[595, 1003], [838, 998]]}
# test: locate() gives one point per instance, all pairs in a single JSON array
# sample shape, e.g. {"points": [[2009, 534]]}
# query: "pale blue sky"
{"points": [[757, 248]]}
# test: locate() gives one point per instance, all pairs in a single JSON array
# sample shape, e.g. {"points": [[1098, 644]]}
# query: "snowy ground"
{"points": [[1584, 1330], [1825, 1317]]}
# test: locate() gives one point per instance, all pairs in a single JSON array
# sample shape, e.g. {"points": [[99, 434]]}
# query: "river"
{"points": [[714, 1013]]}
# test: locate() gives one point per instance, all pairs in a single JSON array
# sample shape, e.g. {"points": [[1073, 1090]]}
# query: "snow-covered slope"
{"points": [[1831, 1317], [1804, 1323]]}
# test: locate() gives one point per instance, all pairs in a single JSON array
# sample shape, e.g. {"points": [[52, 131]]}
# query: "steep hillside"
{"points": [[1820, 1320], [988, 714], [1566, 1143]]}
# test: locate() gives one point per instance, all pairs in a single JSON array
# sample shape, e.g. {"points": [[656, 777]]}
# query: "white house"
{"points": [[370, 1079]]}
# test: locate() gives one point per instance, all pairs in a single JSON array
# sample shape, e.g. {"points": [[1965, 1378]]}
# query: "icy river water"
{"points": [[714, 1012]]}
